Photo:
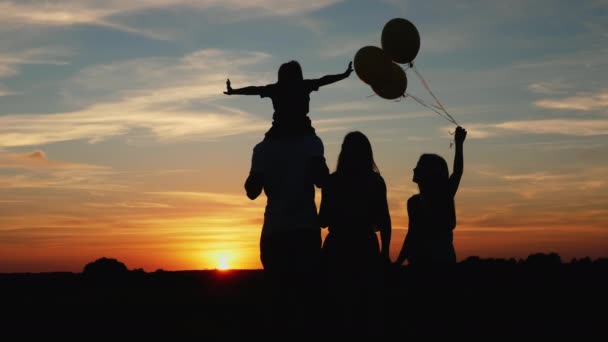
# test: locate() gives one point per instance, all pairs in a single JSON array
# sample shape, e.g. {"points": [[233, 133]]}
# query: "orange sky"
{"points": [[116, 139]]}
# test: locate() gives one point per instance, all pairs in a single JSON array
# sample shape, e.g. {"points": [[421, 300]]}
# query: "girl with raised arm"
{"points": [[432, 214]]}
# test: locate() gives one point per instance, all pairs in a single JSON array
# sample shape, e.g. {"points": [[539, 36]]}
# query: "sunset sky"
{"points": [[116, 139]]}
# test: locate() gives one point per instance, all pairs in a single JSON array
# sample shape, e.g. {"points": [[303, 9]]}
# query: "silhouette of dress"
{"points": [[353, 208], [429, 239]]}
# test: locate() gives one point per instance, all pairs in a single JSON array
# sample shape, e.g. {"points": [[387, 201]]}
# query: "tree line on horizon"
{"points": [[112, 266]]}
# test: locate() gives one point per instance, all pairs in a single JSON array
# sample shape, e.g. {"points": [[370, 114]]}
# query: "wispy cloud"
{"points": [[538, 177], [340, 123], [71, 179], [571, 127], [11, 63], [222, 198], [158, 95], [129, 205], [558, 126], [345, 106], [548, 185], [98, 124], [549, 88], [110, 13], [37, 160], [584, 102]]}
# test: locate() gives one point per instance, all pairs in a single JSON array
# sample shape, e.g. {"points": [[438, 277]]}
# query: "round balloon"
{"points": [[371, 63], [400, 40], [393, 84]]}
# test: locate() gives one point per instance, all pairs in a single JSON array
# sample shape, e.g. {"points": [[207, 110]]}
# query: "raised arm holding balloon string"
{"points": [[432, 213]]}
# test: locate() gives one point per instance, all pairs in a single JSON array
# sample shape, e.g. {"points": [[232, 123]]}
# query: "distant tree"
{"points": [[582, 261], [601, 262], [474, 259], [105, 267], [544, 259]]}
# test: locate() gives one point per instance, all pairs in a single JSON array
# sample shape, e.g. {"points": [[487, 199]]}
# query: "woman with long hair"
{"points": [[354, 208]]}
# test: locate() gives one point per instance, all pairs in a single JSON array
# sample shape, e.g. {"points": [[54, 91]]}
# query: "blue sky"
{"points": [[115, 134]]}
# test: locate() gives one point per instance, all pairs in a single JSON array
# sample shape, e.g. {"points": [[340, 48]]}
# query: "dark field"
{"points": [[489, 299]]}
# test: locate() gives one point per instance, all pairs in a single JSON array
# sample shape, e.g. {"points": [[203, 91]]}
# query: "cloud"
{"points": [[538, 177], [583, 102], [542, 186], [345, 106], [37, 160], [130, 205], [221, 198], [99, 123], [71, 179], [570, 127], [554, 87], [175, 99], [155, 80], [588, 127], [11, 63], [109, 13]]}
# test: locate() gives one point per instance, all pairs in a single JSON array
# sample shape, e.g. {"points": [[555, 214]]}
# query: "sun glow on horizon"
{"points": [[224, 260]]}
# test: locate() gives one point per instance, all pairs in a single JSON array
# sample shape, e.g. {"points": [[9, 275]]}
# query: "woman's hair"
{"points": [[290, 72], [432, 174], [356, 156]]}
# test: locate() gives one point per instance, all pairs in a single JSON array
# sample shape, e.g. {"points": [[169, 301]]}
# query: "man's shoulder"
{"points": [[414, 199], [311, 145], [259, 147]]}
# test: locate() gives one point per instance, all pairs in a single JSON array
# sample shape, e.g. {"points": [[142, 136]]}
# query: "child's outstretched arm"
{"points": [[458, 167], [251, 90], [329, 79]]}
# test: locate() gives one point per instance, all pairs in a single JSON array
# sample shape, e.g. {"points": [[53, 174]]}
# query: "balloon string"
{"points": [[425, 84], [431, 108], [433, 95]]}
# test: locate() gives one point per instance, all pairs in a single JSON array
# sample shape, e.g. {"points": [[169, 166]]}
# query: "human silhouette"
{"points": [[354, 207], [287, 170], [431, 212], [290, 97], [287, 165]]}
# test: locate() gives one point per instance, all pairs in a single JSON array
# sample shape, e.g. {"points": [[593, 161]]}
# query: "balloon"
{"points": [[371, 62], [400, 40], [392, 85]]}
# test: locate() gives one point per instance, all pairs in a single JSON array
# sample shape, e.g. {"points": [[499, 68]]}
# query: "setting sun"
{"points": [[223, 261]]}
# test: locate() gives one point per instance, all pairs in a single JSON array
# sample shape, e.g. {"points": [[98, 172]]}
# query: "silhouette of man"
{"points": [[290, 245]]}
